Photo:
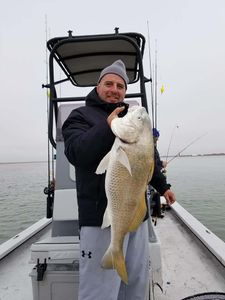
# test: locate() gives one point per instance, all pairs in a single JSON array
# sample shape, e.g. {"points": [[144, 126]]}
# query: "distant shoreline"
{"points": [[171, 156], [23, 162], [196, 155], [210, 154]]}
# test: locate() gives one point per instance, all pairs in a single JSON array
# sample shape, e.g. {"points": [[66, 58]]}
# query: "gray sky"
{"points": [[190, 38]]}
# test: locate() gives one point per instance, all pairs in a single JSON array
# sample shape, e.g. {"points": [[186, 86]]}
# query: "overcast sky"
{"points": [[190, 38]]}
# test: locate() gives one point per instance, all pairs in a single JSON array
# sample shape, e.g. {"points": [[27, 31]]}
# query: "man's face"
{"points": [[111, 88]]}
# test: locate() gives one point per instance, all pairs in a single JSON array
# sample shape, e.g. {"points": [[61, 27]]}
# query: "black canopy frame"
{"points": [[82, 58]]}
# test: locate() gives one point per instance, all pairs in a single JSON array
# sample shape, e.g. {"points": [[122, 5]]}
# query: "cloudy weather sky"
{"points": [[190, 38]]}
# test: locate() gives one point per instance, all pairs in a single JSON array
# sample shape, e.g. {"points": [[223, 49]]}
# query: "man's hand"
{"points": [[169, 196], [114, 114], [164, 164]]}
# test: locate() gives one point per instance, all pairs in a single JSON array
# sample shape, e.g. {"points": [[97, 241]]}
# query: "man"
{"points": [[88, 138]]}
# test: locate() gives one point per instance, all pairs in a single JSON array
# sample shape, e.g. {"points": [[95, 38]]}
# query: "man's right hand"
{"points": [[114, 114]]}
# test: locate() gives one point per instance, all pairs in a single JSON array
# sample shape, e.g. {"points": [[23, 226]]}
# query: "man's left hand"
{"points": [[169, 196]]}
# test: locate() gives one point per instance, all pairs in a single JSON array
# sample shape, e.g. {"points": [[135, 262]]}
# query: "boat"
{"points": [[42, 262]]}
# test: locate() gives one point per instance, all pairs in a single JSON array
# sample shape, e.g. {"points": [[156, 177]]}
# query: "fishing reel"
{"points": [[155, 205]]}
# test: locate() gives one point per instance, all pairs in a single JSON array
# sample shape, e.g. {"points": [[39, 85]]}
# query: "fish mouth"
{"points": [[125, 141]]}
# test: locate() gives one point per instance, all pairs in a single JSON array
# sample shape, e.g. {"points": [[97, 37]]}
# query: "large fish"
{"points": [[129, 167]]}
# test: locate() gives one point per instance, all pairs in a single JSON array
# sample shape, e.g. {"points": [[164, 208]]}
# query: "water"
{"points": [[199, 184], [22, 201]]}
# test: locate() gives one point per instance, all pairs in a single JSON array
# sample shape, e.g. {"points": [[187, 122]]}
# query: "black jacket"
{"points": [[88, 138], [158, 159]]}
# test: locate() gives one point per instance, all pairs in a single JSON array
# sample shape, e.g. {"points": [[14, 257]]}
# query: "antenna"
{"points": [[155, 104], [150, 69]]}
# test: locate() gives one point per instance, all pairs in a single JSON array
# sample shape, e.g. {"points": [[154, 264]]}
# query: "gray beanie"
{"points": [[117, 68]]}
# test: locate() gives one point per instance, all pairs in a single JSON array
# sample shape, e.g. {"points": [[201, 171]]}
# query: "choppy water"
{"points": [[199, 184]]}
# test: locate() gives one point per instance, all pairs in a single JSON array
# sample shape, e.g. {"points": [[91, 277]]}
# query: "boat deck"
{"points": [[15, 282], [188, 267]]}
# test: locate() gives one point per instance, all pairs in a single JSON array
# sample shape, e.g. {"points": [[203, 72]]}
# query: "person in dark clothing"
{"points": [[88, 138], [152, 194], [160, 163]]}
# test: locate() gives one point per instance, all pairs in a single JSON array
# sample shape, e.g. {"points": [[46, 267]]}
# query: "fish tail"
{"points": [[115, 260]]}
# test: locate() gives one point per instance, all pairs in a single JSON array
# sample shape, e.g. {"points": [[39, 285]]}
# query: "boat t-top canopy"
{"points": [[82, 58]]}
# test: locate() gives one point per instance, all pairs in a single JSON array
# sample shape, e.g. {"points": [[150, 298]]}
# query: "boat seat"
{"points": [[65, 172], [56, 250], [65, 213], [65, 210]]}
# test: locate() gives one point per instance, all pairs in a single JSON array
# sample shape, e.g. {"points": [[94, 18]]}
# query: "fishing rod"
{"points": [[47, 94], [172, 135], [195, 140], [49, 190]]}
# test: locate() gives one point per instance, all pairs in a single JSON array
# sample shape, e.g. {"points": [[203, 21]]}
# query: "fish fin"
{"points": [[103, 165], [115, 260], [106, 219], [139, 215], [123, 159]]}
